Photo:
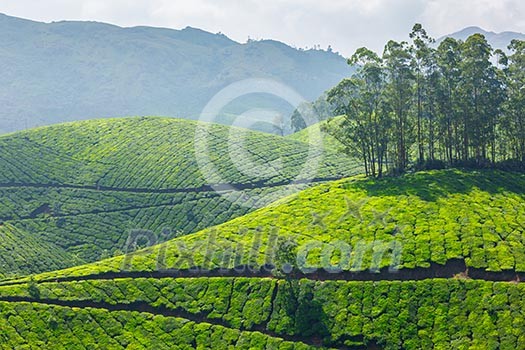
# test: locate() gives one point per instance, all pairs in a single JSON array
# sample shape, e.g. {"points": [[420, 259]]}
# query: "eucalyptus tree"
{"points": [[482, 93], [423, 61], [364, 130], [400, 78], [448, 57], [514, 123], [461, 103]]}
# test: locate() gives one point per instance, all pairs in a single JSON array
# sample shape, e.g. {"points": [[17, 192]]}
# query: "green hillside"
{"points": [[80, 188], [252, 313], [145, 153], [455, 283], [428, 218], [325, 139], [24, 253]]}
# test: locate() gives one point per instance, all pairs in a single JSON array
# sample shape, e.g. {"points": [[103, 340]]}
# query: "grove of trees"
{"points": [[423, 106]]}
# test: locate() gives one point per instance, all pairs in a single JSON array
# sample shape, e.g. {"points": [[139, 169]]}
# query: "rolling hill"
{"points": [[436, 217], [455, 282], [66, 71], [323, 139], [25, 253], [82, 188]]}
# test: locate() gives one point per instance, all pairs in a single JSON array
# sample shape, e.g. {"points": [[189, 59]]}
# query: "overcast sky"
{"points": [[344, 24]]}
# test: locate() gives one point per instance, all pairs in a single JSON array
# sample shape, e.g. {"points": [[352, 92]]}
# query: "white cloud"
{"points": [[344, 24], [446, 16]]}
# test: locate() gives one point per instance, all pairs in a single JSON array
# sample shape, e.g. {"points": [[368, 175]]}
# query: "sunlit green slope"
{"points": [[24, 253], [82, 187], [323, 138], [410, 222], [456, 283]]}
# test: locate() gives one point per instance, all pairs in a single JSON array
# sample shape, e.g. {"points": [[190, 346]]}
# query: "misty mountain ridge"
{"points": [[496, 40], [71, 70]]}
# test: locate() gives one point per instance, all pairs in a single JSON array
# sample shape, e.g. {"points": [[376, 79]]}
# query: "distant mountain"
{"points": [[63, 71], [497, 40]]}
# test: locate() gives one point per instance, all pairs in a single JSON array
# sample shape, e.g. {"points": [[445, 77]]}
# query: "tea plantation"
{"points": [[323, 138], [80, 188], [381, 298], [418, 221], [263, 313]]}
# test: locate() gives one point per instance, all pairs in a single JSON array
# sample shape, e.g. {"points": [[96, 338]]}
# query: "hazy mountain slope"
{"points": [[66, 71], [85, 186], [497, 40]]}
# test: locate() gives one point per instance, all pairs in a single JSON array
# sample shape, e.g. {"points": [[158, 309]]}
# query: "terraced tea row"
{"points": [[90, 222], [81, 188], [25, 254], [33, 325], [358, 224], [90, 225], [389, 314], [155, 153]]}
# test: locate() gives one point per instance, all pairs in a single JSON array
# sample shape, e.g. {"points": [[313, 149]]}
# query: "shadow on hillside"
{"points": [[430, 186], [306, 315]]}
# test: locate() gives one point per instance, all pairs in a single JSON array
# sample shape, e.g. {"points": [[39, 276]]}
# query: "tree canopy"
{"points": [[419, 106]]}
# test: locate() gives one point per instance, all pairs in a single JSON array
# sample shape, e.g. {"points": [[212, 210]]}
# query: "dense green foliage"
{"points": [[80, 188], [92, 224], [241, 302], [434, 217], [448, 314], [425, 107], [25, 254], [34, 326]]}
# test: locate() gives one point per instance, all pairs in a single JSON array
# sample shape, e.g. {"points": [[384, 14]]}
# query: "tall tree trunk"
{"points": [[419, 117]]}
